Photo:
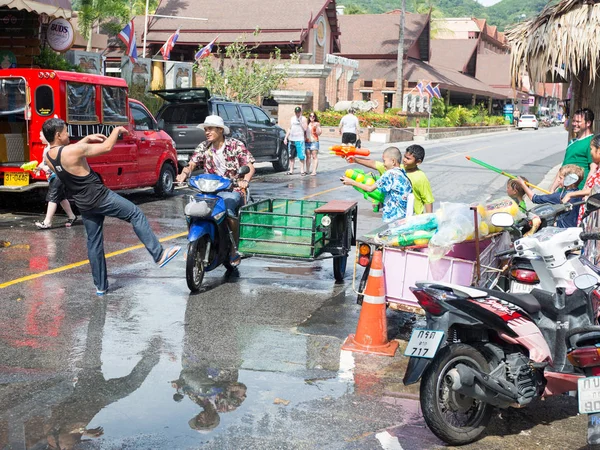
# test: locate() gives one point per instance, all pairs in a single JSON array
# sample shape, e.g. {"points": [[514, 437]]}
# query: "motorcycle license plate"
{"points": [[588, 395], [423, 343], [521, 288]]}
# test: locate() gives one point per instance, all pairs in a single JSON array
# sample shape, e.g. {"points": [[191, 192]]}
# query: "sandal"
{"points": [[289, 173], [43, 225], [303, 174], [313, 174], [70, 222], [235, 260], [168, 256]]}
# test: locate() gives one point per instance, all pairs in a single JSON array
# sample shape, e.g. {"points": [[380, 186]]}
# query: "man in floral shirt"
{"points": [[223, 156]]}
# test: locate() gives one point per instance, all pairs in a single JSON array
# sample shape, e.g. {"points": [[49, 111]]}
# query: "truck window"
{"points": [[44, 101], [221, 111], [261, 117], [12, 96], [175, 114], [114, 105], [81, 103], [196, 115], [141, 119], [248, 114], [233, 113]]}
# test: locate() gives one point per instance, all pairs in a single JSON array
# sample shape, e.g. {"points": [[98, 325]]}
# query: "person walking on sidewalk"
{"points": [[296, 136], [94, 200], [312, 145], [349, 128]]}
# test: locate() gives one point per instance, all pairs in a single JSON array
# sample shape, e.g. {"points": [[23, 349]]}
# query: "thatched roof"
{"points": [[561, 41]]}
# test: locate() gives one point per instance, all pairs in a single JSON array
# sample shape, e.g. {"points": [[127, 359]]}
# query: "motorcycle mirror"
{"points": [[243, 170], [593, 203], [570, 180], [585, 281], [502, 219]]}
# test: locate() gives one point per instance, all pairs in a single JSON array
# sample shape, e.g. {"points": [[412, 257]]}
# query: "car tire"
{"points": [[166, 181], [535, 129], [283, 158]]}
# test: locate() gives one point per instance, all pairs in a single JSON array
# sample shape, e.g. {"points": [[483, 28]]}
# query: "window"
{"points": [[368, 83], [114, 105], [81, 103], [44, 101], [141, 119], [12, 96], [222, 112], [232, 112], [390, 84], [196, 114], [248, 114], [366, 96], [175, 114], [261, 117]]}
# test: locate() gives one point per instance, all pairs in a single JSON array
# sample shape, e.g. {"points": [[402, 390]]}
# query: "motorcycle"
{"points": [[209, 236], [484, 348]]}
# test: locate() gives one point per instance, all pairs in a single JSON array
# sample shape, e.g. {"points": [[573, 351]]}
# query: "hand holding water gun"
{"points": [[346, 151]]}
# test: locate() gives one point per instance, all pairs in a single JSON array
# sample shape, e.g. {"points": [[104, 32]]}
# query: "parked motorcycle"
{"points": [[209, 236], [484, 349]]}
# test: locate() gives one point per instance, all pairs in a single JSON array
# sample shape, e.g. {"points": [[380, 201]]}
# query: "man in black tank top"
{"points": [[94, 200]]}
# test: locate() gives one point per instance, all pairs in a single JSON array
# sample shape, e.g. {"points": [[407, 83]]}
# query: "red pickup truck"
{"points": [[89, 104]]}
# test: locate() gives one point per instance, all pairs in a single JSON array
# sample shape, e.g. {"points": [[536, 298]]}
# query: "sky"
{"points": [[488, 2]]}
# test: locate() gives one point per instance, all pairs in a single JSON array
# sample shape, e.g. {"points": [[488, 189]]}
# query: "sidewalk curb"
{"points": [[450, 139]]}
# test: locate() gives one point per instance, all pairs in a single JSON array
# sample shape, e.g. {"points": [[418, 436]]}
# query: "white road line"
{"points": [[388, 442]]}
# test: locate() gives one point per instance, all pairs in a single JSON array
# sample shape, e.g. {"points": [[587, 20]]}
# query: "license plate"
{"points": [[16, 178], [521, 288], [423, 343], [588, 395]]}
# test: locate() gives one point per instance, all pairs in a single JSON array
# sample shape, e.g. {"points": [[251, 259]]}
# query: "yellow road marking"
{"points": [[116, 253], [82, 263]]}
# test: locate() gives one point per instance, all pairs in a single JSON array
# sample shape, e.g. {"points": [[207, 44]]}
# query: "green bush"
{"points": [[458, 116], [152, 102], [49, 59], [331, 118], [392, 111], [438, 108]]}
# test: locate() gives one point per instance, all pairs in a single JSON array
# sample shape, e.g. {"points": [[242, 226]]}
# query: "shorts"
{"points": [[348, 138], [312, 146], [56, 190], [233, 201], [297, 149]]}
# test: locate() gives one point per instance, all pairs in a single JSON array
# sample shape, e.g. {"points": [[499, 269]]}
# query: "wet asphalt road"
{"points": [[253, 360]]}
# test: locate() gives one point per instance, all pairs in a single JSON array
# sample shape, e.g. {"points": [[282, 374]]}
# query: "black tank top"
{"points": [[87, 191]]}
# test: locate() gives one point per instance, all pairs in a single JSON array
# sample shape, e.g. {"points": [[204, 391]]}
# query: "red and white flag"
{"points": [[127, 35], [168, 46], [205, 51]]}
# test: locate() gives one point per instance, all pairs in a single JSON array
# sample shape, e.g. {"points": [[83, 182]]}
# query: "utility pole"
{"points": [[400, 71]]}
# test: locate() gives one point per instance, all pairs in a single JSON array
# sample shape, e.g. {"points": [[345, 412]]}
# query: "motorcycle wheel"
{"points": [[194, 267], [453, 417]]}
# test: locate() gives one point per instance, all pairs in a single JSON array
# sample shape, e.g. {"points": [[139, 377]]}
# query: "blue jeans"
{"points": [[114, 205], [233, 201]]}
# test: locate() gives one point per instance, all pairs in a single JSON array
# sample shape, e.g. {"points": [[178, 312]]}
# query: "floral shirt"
{"points": [[235, 153], [395, 186], [594, 180]]}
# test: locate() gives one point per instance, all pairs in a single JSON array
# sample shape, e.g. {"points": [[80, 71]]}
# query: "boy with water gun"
{"points": [[414, 155], [394, 185]]}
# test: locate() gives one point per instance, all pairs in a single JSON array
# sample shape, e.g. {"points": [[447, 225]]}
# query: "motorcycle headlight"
{"points": [[208, 185]]}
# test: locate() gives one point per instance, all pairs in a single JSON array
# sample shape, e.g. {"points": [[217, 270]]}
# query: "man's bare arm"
{"points": [[89, 150]]}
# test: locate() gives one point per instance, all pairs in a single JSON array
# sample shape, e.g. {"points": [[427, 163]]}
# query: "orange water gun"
{"points": [[348, 150]]}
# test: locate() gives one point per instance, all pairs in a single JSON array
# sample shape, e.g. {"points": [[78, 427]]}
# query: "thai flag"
{"points": [[206, 50], [127, 35], [434, 91], [168, 46], [420, 88]]}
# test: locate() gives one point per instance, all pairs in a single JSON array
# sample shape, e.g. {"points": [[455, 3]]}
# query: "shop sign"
{"points": [[60, 35]]}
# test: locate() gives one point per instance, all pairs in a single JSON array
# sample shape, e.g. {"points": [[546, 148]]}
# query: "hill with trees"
{"points": [[502, 14]]}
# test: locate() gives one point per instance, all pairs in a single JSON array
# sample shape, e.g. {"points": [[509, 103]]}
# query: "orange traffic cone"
{"points": [[371, 331]]}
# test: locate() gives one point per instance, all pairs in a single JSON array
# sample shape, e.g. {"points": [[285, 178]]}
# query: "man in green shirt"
{"points": [[578, 151], [414, 155]]}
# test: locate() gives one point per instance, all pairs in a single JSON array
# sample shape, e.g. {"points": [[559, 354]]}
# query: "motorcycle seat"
{"points": [[526, 301]]}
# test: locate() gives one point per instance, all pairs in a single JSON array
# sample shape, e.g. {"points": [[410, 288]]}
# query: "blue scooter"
{"points": [[209, 236]]}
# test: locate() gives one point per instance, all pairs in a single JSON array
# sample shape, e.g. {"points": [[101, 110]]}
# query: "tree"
{"points": [[240, 75], [354, 9], [400, 60]]}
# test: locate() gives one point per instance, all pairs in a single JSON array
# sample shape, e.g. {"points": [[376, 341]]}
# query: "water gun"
{"points": [[360, 176], [419, 237], [348, 150], [30, 166]]}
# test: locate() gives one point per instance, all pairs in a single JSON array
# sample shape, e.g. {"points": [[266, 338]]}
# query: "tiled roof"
{"points": [[494, 69], [452, 53], [377, 34]]}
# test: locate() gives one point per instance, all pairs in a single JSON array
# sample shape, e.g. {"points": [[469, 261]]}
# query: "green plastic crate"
{"points": [[281, 227]]}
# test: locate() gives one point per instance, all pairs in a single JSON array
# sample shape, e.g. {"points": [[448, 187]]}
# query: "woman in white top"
{"points": [[312, 142]]}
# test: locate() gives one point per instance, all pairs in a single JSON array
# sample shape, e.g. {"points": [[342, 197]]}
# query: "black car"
{"points": [[186, 108]]}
